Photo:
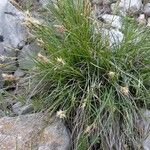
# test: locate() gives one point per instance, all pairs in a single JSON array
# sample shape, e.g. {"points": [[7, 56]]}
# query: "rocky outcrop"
{"points": [[13, 34], [130, 6], [13, 31], [17, 54], [33, 131]]}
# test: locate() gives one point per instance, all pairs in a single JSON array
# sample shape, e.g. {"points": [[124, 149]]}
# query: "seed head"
{"points": [[61, 114], [3, 58], [40, 42], [124, 90], [61, 61], [9, 77], [42, 58], [111, 74], [90, 128], [30, 21]]}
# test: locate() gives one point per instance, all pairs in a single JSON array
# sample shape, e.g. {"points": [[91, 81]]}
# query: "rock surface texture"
{"points": [[31, 132], [113, 20], [13, 30], [147, 10], [27, 55], [131, 6], [146, 124], [12, 33]]}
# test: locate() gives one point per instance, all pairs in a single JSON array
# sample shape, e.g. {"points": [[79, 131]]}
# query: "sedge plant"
{"points": [[97, 89]]}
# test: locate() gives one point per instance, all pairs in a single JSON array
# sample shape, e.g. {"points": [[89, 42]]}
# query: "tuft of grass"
{"points": [[99, 90]]}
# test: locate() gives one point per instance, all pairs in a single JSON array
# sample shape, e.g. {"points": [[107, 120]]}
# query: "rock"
{"points": [[141, 19], [3, 5], [105, 8], [35, 131], [115, 8], [19, 73], [25, 89], [7, 58], [17, 107], [147, 10], [131, 6], [27, 55], [2, 114], [110, 35], [27, 109], [112, 20], [143, 127], [113, 36], [101, 7], [146, 125], [20, 109], [12, 32]]}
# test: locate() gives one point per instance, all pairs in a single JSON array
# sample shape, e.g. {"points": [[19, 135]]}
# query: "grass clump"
{"points": [[99, 90]]}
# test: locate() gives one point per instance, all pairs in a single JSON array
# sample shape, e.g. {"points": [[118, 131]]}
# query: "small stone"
{"points": [[27, 109], [19, 73], [113, 36], [112, 20], [19, 109]]}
